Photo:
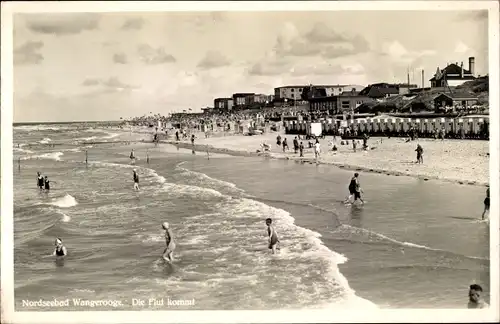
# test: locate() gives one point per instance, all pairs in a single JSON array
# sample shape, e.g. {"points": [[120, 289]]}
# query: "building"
{"points": [[380, 90], [262, 98], [346, 102], [243, 99], [225, 104], [295, 92], [323, 104], [454, 99], [335, 90], [349, 101], [289, 92], [405, 88], [453, 75]]}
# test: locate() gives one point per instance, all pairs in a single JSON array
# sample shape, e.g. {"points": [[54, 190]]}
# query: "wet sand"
{"points": [[459, 161]]}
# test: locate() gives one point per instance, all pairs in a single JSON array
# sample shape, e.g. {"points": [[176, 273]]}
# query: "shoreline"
{"points": [[345, 166]]}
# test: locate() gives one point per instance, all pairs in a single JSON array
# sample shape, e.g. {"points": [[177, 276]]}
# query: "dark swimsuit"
{"points": [[352, 189], [274, 238], [136, 178], [40, 182], [487, 199], [47, 185], [352, 186], [59, 252], [170, 244]]}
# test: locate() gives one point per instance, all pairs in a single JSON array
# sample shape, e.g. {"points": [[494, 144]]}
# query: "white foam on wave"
{"points": [[203, 176], [297, 243], [21, 150], [379, 236], [40, 128], [64, 202], [84, 139], [65, 218], [98, 138], [111, 135], [149, 172], [46, 140], [73, 150], [181, 190], [51, 156]]}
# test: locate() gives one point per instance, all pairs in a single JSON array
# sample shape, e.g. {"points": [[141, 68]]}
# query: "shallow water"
{"points": [[414, 243]]}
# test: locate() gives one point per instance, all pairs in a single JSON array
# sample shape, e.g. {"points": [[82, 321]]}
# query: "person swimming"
{"points": [[136, 180], [272, 236], [60, 249], [168, 253], [40, 181]]}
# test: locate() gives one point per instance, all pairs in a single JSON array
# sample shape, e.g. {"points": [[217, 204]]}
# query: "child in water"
{"points": [[168, 254], [272, 235], [60, 249]]}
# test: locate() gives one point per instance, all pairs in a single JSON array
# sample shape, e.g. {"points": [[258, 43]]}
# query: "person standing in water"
{"points": [[132, 157], [168, 253], [486, 203], [354, 189], [40, 181], [317, 149], [60, 249], [136, 180], [420, 154], [47, 183], [272, 236]]}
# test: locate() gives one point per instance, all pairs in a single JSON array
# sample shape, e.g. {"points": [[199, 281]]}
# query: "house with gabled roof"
{"points": [[453, 75]]}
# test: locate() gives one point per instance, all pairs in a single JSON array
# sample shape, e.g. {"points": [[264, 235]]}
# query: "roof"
{"points": [[457, 96], [222, 99], [380, 90], [351, 94], [315, 85], [243, 94], [451, 69]]}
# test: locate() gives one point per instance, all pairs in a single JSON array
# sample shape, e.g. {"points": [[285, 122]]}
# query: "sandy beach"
{"points": [[459, 161]]}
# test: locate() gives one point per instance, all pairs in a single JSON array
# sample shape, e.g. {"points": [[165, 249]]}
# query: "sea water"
{"points": [[414, 243]]}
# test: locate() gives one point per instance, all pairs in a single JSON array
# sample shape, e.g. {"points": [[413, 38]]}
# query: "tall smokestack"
{"points": [[408, 72], [462, 70], [422, 78], [471, 66]]}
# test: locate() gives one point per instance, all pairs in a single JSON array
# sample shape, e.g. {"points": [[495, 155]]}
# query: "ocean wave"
{"points": [[52, 156], [108, 136], [21, 150], [65, 218], [31, 128], [149, 172], [204, 177], [381, 237], [46, 140], [64, 202], [299, 245], [181, 190]]}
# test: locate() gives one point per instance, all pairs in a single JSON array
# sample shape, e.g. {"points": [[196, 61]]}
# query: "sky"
{"points": [[107, 66]]}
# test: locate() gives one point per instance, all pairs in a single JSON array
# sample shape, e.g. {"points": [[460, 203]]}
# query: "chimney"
{"points": [[422, 78], [471, 65], [462, 70]]}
